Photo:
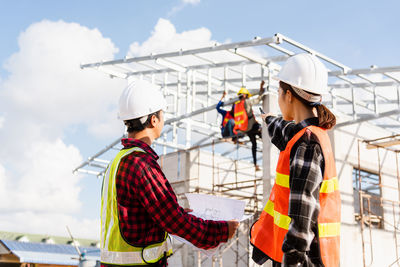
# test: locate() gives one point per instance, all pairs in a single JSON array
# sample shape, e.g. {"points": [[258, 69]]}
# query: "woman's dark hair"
{"points": [[136, 125], [326, 118]]}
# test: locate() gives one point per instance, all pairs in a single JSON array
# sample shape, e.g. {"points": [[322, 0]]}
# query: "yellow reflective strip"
{"points": [[329, 186], [283, 221], [238, 113], [269, 208], [239, 122], [329, 229], [282, 180]]}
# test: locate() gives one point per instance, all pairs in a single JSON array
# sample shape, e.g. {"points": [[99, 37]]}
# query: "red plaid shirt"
{"points": [[148, 206]]}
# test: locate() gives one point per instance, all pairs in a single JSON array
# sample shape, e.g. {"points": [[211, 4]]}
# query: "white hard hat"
{"points": [[139, 99], [305, 71]]}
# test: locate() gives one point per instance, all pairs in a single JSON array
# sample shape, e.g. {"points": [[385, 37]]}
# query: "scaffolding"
{"points": [[192, 82], [372, 206], [234, 178]]}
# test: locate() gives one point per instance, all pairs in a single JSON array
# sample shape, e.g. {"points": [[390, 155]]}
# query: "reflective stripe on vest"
{"points": [[269, 232], [227, 117], [283, 221], [114, 249], [240, 116]]}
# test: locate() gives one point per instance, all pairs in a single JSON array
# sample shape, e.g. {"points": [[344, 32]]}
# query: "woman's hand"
{"points": [[264, 116]]}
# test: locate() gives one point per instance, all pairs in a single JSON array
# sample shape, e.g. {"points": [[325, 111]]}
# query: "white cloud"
{"points": [[2, 119], [192, 2], [44, 94], [181, 6], [46, 223], [46, 79], [164, 38]]}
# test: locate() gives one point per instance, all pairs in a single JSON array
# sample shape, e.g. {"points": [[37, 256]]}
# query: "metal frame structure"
{"points": [[193, 80]]}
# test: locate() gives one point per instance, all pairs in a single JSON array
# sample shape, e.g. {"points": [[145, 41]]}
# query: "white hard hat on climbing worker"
{"points": [[305, 71], [139, 99]]}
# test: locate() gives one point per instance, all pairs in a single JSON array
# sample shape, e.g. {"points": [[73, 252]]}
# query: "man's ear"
{"points": [[153, 120]]}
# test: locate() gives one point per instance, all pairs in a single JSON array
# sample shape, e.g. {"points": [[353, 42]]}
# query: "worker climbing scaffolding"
{"points": [[240, 120]]}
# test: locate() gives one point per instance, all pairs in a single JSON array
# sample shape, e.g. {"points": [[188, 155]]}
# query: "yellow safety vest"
{"points": [[114, 249]]}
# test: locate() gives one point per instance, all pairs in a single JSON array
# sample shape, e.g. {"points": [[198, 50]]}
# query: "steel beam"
{"points": [[369, 118], [216, 47]]}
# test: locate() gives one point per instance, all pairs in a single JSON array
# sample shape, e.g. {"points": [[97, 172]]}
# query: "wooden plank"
{"points": [[383, 144]]}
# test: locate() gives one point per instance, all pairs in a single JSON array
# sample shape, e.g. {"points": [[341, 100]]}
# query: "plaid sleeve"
{"points": [[280, 131], [306, 175], [159, 199]]}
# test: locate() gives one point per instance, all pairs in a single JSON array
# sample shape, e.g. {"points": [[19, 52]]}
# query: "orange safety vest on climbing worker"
{"points": [[269, 232], [227, 117], [240, 114]]}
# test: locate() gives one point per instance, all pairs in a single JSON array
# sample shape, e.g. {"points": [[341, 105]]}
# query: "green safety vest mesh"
{"points": [[114, 249]]}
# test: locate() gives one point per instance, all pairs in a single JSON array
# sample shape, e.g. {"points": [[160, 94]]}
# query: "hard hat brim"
{"points": [[324, 91]]}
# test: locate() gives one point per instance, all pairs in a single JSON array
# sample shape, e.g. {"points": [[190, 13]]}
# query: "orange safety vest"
{"points": [[269, 232], [227, 117], [240, 114]]}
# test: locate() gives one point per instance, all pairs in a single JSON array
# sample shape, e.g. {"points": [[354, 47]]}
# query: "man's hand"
{"points": [[233, 226], [262, 88], [223, 95]]}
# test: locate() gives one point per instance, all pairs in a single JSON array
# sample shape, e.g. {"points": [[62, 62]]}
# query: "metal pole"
{"points": [[244, 75], [198, 259], [165, 90], [208, 92], [361, 202], [370, 230], [188, 107], [395, 232], [225, 78], [269, 104], [398, 96], [353, 103], [213, 165], [333, 96], [375, 100], [193, 106]]}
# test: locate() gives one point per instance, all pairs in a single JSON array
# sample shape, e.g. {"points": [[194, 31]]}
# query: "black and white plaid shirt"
{"points": [[301, 243]]}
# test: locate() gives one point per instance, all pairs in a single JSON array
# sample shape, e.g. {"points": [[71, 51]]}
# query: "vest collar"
{"points": [[130, 142]]}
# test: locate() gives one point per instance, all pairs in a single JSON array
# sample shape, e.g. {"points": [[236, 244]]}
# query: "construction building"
{"points": [[366, 102]]}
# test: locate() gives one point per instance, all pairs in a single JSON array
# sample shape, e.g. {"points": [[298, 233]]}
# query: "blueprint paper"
{"points": [[210, 207]]}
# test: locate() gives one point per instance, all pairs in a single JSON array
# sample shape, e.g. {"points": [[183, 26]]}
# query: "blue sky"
{"points": [[356, 33]]}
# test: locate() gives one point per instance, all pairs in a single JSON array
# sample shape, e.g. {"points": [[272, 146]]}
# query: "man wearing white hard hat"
{"points": [[300, 224], [139, 208]]}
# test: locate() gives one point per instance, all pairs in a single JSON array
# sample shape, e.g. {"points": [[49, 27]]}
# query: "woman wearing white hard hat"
{"points": [[139, 207], [300, 223]]}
